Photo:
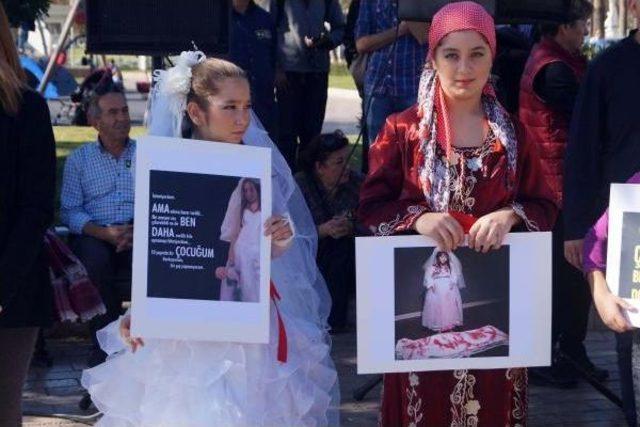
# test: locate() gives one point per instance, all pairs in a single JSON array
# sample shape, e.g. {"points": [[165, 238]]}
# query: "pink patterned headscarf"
{"points": [[435, 128], [461, 16]]}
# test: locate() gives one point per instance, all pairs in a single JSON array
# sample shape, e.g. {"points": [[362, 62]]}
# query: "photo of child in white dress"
{"points": [[443, 280], [242, 228], [451, 305]]}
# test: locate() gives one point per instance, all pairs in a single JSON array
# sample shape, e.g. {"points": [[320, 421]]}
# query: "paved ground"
{"points": [[56, 390]]}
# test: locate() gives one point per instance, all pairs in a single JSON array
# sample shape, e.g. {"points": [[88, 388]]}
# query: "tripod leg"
{"points": [[601, 388], [85, 402], [360, 393], [41, 356]]}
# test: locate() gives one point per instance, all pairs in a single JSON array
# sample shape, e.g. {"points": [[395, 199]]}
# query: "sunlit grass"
{"points": [[340, 77]]}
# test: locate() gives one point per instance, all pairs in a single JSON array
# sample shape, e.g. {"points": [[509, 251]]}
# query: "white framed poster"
{"points": [[421, 309], [201, 262], [623, 246]]}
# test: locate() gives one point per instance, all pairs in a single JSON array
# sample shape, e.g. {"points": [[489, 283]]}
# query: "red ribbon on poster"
{"points": [[282, 332]]}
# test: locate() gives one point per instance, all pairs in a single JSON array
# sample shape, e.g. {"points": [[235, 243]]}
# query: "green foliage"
{"points": [[340, 77], [595, 47], [25, 10]]}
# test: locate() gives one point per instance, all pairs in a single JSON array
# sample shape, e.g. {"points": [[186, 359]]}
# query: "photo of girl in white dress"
{"points": [[242, 227], [451, 305], [443, 280]]}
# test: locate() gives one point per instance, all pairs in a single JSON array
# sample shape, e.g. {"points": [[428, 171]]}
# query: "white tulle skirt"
{"points": [[203, 384]]}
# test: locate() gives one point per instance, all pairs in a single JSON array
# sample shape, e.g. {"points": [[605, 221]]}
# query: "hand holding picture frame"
{"points": [[623, 246], [201, 262]]}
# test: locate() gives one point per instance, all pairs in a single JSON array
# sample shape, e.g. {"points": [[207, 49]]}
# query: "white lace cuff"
{"points": [[519, 210], [388, 228]]}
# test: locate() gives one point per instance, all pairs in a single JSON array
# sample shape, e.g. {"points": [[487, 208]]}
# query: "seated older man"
{"points": [[97, 204]]}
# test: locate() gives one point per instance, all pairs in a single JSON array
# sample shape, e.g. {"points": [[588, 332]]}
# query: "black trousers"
{"points": [[111, 273], [627, 345], [16, 348], [571, 301], [302, 105], [336, 261]]}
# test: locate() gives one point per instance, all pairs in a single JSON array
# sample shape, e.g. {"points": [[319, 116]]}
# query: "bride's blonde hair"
{"points": [[207, 76]]}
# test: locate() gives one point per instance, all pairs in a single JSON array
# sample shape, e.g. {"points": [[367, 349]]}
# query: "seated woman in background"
{"points": [[331, 190]]}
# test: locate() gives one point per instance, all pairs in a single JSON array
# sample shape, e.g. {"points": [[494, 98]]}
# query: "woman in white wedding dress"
{"points": [[242, 229], [173, 383]]}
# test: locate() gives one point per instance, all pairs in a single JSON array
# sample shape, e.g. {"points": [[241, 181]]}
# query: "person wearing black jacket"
{"points": [[27, 188], [302, 74], [359, 63], [604, 148]]}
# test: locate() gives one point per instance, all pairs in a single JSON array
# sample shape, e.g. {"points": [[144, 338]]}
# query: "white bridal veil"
{"points": [[454, 264]]}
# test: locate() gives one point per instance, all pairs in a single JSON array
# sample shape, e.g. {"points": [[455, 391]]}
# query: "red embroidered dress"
{"points": [[392, 198]]}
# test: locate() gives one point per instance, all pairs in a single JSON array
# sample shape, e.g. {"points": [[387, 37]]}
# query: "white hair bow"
{"points": [[168, 100]]}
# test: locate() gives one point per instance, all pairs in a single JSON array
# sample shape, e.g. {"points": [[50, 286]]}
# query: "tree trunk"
{"points": [[622, 18], [599, 11]]}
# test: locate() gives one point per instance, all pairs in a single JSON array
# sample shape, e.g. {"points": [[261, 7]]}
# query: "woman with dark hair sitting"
{"points": [[332, 190]]}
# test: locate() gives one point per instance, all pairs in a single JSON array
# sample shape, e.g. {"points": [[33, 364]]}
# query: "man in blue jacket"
{"points": [[307, 31], [253, 47]]}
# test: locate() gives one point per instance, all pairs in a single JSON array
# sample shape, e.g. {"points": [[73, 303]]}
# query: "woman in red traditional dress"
{"points": [[456, 158]]}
